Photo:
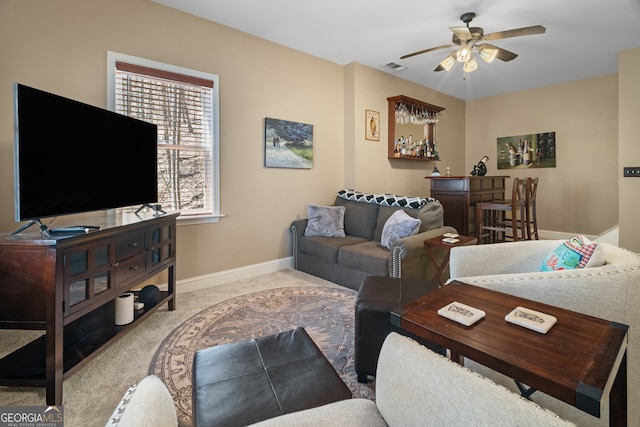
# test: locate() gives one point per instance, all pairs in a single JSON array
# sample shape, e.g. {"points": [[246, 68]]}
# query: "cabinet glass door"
{"points": [[87, 273], [161, 244]]}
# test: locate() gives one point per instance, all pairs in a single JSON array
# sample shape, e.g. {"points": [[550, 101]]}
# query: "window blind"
{"points": [[181, 107]]}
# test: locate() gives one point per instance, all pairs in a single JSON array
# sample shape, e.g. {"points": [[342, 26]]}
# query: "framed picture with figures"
{"points": [[372, 125], [537, 150]]}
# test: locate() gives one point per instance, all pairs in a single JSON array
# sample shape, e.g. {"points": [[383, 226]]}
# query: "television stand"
{"points": [[43, 228], [66, 285]]}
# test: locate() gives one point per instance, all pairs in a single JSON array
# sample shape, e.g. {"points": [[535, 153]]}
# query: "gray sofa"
{"points": [[348, 260], [414, 387], [610, 291]]}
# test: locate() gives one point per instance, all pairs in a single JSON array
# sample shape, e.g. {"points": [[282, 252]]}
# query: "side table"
{"points": [[436, 242], [581, 360]]}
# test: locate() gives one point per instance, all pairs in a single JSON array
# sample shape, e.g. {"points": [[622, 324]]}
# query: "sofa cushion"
{"points": [[325, 221], [430, 215], [326, 248], [578, 252], [359, 219], [399, 225], [148, 403], [369, 256]]}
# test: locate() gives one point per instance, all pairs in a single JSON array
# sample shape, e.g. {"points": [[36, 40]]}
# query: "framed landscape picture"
{"points": [[536, 150], [287, 144]]}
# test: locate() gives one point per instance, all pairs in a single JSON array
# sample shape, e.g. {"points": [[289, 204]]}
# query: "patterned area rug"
{"points": [[327, 314]]}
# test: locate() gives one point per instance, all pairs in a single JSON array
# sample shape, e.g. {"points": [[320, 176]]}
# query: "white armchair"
{"points": [[611, 292]]}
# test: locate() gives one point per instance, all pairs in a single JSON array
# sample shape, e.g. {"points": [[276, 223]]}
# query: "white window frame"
{"points": [[113, 57]]}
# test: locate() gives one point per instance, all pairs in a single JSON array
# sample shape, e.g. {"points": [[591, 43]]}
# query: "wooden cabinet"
{"points": [[66, 286], [415, 120], [459, 195]]}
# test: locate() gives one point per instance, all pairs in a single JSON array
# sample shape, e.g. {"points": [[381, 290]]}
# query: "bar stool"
{"points": [[496, 218], [530, 218], [530, 205]]}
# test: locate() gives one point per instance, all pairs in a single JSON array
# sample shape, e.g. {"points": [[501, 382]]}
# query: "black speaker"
{"points": [[149, 295]]}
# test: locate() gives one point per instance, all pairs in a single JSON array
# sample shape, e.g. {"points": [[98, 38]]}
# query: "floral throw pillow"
{"points": [[327, 221], [400, 224], [578, 252]]}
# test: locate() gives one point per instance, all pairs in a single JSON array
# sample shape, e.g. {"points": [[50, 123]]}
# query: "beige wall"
{"points": [[629, 153], [579, 195], [61, 46], [372, 170]]}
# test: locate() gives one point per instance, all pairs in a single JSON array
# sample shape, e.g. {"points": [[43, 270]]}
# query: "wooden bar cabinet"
{"points": [[459, 195]]}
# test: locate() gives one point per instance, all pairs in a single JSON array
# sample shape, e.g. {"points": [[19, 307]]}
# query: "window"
{"points": [[184, 105]]}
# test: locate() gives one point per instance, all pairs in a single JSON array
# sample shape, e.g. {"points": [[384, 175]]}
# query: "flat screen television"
{"points": [[71, 157]]}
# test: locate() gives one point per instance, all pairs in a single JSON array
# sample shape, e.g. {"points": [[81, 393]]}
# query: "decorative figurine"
{"points": [[481, 168], [435, 172]]}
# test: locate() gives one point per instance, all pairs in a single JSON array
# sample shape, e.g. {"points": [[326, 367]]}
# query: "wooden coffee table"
{"points": [[580, 360], [437, 242]]}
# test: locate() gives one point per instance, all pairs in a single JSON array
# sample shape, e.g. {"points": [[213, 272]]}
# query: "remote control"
{"points": [[75, 229]]}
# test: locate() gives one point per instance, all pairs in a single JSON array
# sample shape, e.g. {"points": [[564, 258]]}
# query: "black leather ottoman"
{"points": [[376, 298], [245, 382]]}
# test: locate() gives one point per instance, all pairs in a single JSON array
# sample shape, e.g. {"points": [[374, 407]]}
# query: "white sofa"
{"points": [[418, 387], [611, 292], [414, 387]]}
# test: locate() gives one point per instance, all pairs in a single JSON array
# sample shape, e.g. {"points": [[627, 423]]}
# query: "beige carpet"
{"points": [[91, 394]]}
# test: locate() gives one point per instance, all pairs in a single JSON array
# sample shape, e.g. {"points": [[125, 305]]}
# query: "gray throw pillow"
{"points": [[399, 225], [325, 221]]}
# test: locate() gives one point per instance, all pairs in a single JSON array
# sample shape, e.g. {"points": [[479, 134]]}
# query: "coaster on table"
{"points": [[461, 313], [450, 235], [450, 240], [531, 319]]}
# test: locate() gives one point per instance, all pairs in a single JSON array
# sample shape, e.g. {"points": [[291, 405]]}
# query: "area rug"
{"points": [[327, 314]]}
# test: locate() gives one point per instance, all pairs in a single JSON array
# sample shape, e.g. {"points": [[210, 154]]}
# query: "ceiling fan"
{"points": [[468, 39]]}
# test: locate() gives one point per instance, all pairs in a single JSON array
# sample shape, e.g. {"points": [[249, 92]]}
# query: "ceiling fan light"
{"points": [[470, 65], [448, 62], [463, 54], [488, 53]]}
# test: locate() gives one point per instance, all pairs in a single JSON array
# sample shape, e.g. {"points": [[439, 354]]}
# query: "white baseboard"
{"points": [[611, 236], [222, 277], [560, 235]]}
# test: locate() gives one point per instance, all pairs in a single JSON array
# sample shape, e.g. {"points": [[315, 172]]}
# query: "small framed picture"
{"points": [[372, 125]]}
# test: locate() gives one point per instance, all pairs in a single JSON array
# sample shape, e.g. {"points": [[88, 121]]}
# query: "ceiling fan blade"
{"points": [[525, 31], [426, 50], [505, 55], [439, 68], [463, 33]]}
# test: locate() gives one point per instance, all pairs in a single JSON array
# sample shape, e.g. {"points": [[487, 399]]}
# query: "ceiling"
{"points": [[582, 39]]}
